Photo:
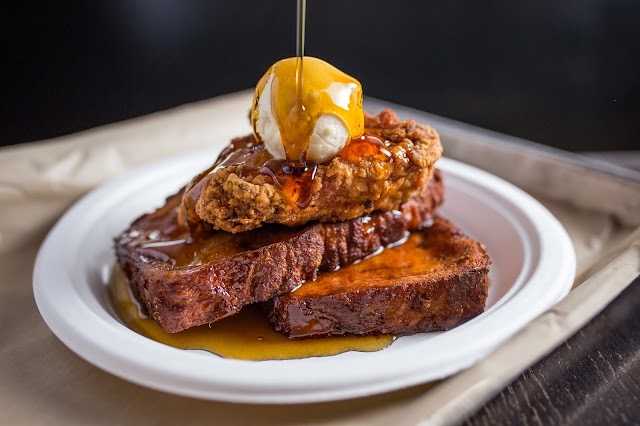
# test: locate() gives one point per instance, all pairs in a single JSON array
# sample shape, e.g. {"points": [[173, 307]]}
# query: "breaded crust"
{"points": [[358, 181], [183, 282], [436, 280]]}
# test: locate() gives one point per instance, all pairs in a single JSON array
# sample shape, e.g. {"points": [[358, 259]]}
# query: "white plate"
{"points": [[533, 267]]}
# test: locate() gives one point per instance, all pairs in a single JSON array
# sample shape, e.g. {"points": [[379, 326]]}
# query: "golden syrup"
{"points": [[366, 146], [254, 159], [242, 151], [300, 94], [296, 186], [416, 256], [246, 335]]}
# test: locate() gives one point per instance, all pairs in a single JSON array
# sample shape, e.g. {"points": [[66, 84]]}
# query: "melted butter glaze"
{"points": [[246, 335], [300, 94]]}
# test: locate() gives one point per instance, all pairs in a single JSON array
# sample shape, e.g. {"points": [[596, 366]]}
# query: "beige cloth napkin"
{"points": [[42, 382]]}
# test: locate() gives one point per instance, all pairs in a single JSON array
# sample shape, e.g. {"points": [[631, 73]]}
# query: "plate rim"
{"points": [[246, 388]]}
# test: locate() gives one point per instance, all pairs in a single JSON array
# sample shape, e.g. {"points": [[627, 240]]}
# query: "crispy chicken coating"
{"points": [[363, 178]]}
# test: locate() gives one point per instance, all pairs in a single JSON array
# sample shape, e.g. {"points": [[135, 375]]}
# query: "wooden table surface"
{"points": [[592, 378]]}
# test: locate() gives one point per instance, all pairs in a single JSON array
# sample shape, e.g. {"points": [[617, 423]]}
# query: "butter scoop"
{"points": [[308, 118]]}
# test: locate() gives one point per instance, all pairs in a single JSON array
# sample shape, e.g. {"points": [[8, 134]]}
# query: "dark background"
{"points": [[564, 73]]}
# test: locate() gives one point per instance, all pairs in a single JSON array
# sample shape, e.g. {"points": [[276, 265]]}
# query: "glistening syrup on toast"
{"points": [[185, 279], [435, 281]]}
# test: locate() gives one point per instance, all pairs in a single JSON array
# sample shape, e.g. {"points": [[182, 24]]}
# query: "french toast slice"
{"points": [[185, 279], [436, 280]]}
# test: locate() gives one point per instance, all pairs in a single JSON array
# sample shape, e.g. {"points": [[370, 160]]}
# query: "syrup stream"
{"points": [[300, 30]]}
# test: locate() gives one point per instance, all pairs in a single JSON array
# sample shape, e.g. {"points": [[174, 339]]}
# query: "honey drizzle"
{"points": [[246, 335]]}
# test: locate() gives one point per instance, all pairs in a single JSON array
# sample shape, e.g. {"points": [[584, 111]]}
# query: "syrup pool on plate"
{"points": [[246, 335]]}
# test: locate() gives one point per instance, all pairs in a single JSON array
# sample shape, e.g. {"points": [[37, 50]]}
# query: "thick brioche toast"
{"points": [[185, 280], [436, 280]]}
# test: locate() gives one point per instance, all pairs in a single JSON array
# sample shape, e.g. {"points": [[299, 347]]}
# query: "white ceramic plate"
{"points": [[533, 267]]}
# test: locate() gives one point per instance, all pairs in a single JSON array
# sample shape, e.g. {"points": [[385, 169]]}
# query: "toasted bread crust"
{"points": [[349, 186], [219, 273], [390, 293]]}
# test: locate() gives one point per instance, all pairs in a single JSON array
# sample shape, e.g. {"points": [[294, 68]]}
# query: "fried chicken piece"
{"points": [[362, 178]]}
